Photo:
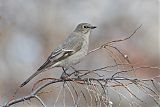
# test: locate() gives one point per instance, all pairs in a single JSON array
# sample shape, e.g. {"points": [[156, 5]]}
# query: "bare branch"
{"points": [[92, 86], [39, 99]]}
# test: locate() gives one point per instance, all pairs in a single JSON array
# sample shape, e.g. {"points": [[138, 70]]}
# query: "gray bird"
{"points": [[70, 52]]}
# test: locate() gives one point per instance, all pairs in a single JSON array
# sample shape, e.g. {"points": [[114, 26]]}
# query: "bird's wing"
{"points": [[70, 46]]}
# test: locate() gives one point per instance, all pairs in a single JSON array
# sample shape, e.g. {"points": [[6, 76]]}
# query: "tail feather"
{"points": [[41, 69], [45, 65], [30, 78]]}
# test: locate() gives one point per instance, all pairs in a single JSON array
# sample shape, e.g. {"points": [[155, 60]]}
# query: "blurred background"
{"points": [[31, 29]]}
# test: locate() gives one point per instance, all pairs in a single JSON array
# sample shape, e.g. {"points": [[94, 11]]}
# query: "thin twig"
{"points": [[40, 100]]}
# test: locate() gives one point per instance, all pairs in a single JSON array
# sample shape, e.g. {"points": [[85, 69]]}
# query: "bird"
{"points": [[70, 52]]}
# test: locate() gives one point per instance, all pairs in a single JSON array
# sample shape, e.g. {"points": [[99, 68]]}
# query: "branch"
{"points": [[85, 81], [96, 86], [114, 41]]}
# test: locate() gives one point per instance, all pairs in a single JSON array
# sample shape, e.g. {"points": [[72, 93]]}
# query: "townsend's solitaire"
{"points": [[70, 52]]}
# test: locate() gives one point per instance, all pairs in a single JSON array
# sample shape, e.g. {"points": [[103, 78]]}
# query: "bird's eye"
{"points": [[84, 26]]}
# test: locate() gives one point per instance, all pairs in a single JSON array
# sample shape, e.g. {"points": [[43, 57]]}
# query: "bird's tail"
{"points": [[31, 77], [44, 67]]}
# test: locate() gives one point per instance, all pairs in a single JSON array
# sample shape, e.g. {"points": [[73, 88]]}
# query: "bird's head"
{"points": [[84, 28]]}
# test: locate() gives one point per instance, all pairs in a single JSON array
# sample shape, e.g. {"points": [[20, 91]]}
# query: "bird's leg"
{"points": [[76, 73], [64, 74], [64, 70]]}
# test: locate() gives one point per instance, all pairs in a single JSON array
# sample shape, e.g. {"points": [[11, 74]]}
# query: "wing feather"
{"points": [[71, 45]]}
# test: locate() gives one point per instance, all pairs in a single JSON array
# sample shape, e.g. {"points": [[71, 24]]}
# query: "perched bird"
{"points": [[70, 52]]}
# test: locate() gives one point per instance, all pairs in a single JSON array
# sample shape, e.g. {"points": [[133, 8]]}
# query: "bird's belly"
{"points": [[73, 59]]}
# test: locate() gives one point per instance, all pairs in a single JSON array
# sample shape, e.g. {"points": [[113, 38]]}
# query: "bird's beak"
{"points": [[93, 27]]}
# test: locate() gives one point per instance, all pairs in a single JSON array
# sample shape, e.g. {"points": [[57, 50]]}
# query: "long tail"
{"points": [[47, 64], [31, 77]]}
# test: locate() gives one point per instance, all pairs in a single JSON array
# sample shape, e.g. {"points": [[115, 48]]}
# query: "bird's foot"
{"points": [[76, 73], [64, 75]]}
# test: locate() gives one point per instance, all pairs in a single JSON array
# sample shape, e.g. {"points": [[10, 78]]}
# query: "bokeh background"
{"points": [[31, 29]]}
